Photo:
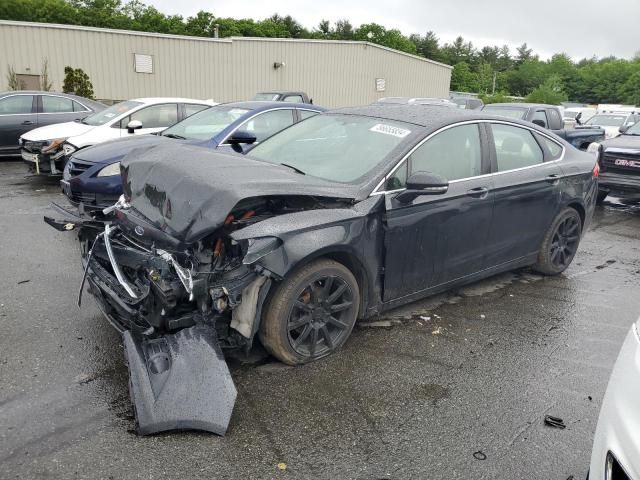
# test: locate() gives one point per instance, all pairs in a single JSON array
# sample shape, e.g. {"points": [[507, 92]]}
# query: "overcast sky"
{"points": [[581, 28]]}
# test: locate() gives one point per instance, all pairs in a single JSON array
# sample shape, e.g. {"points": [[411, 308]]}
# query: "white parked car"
{"points": [[47, 149], [613, 120], [616, 445]]}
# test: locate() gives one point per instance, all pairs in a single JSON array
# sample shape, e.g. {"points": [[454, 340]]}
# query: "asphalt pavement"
{"points": [[453, 387]]}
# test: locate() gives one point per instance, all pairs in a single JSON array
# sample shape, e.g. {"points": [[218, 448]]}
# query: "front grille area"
{"points": [[77, 167], [34, 147], [621, 163]]}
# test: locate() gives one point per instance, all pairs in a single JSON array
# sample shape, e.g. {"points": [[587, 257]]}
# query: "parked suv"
{"points": [[24, 110], [47, 149], [549, 117], [619, 160]]}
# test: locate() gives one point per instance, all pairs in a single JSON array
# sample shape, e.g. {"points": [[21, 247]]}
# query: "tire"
{"points": [[311, 313], [560, 243], [601, 196]]}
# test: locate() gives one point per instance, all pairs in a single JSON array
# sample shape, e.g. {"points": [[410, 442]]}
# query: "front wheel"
{"points": [[560, 243], [311, 312]]}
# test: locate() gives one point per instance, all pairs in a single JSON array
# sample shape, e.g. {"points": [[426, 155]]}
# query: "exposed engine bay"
{"points": [[180, 305]]}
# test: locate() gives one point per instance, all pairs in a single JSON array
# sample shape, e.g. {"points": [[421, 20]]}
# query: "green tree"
{"points": [[343, 30], [76, 81], [629, 92], [550, 92], [427, 46], [463, 79], [485, 78]]}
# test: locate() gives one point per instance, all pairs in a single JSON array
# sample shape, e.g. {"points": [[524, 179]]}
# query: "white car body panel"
{"points": [[618, 429], [81, 135], [57, 130]]}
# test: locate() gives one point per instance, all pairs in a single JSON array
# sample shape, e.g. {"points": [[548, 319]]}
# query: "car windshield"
{"points": [[607, 120], [108, 114], [206, 123], [512, 112], [634, 129], [340, 148], [266, 97]]}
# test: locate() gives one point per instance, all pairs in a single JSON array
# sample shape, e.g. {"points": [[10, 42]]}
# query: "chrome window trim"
{"points": [[292, 109], [16, 95], [380, 184]]}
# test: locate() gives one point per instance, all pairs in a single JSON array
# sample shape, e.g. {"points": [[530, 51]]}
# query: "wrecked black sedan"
{"points": [[339, 217]]}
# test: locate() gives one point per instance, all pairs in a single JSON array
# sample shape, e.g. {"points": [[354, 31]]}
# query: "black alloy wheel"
{"points": [[319, 318], [564, 243], [311, 313], [560, 243]]}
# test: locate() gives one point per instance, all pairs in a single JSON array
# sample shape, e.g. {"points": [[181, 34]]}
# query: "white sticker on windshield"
{"points": [[390, 130]]}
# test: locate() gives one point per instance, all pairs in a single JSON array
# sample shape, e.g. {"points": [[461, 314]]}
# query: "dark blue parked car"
{"points": [[92, 175]]}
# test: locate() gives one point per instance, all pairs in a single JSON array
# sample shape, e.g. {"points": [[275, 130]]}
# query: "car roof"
{"points": [[153, 100], [521, 105], [85, 101], [430, 117], [257, 105]]}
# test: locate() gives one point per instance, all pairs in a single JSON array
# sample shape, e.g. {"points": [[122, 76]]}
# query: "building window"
{"points": [[143, 63]]}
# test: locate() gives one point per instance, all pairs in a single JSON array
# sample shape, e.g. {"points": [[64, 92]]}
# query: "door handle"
{"points": [[553, 179], [478, 192], [27, 122]]}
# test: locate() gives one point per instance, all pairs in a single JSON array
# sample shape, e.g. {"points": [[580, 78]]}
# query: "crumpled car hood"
{"points": [[188, 191], [116, 150]]}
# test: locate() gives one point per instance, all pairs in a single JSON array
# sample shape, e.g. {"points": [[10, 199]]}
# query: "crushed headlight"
{"points": [[260, 247], [110, 170], [68, 149], [53, 146]]}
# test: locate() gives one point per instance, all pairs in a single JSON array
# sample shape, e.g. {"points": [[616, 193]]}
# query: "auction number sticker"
{"points": [[390, 130]]}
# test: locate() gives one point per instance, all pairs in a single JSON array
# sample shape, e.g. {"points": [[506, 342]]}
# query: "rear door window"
{"points": [[307, 113], [515, 147], [541, 115], [191, 108], [51, 104]]}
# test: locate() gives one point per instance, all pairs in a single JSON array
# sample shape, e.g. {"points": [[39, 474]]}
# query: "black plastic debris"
{"points": [[554, 422], [179, 381], [479, 455], [23, 281]]}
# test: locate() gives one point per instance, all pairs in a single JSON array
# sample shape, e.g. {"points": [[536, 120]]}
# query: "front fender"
{"points": [[353, 235]]}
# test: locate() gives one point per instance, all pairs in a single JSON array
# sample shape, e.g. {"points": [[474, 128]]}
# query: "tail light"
{"points": [[595, 173]]}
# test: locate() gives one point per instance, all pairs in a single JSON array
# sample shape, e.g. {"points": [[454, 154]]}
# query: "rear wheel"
{"points": [[311, 313], [560, 243]]}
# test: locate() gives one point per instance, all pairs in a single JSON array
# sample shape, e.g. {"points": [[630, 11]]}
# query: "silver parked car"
{"points": [[616, 445]]}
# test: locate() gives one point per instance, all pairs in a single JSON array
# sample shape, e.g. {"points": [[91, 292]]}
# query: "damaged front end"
{"points": [[178, 307]]}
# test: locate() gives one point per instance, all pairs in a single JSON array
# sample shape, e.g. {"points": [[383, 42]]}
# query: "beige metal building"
{"points": [[126, 64]]}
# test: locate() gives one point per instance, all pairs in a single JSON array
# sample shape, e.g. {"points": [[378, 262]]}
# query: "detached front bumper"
{"points": [[619, 183], [44, 163], [618, 430], [177, 379]]}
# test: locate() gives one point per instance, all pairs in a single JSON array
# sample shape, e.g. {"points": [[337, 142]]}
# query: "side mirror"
{"points": [[579, 118], [423, 183], [624, 128], [240, 137], [540, 123], [134, 125]]}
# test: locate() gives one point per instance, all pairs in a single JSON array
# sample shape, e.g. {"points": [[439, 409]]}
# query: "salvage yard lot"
{"points": [[414, 394]]}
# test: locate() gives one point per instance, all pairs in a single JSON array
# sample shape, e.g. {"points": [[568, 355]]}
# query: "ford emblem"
{"points": [[139, 230]]}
